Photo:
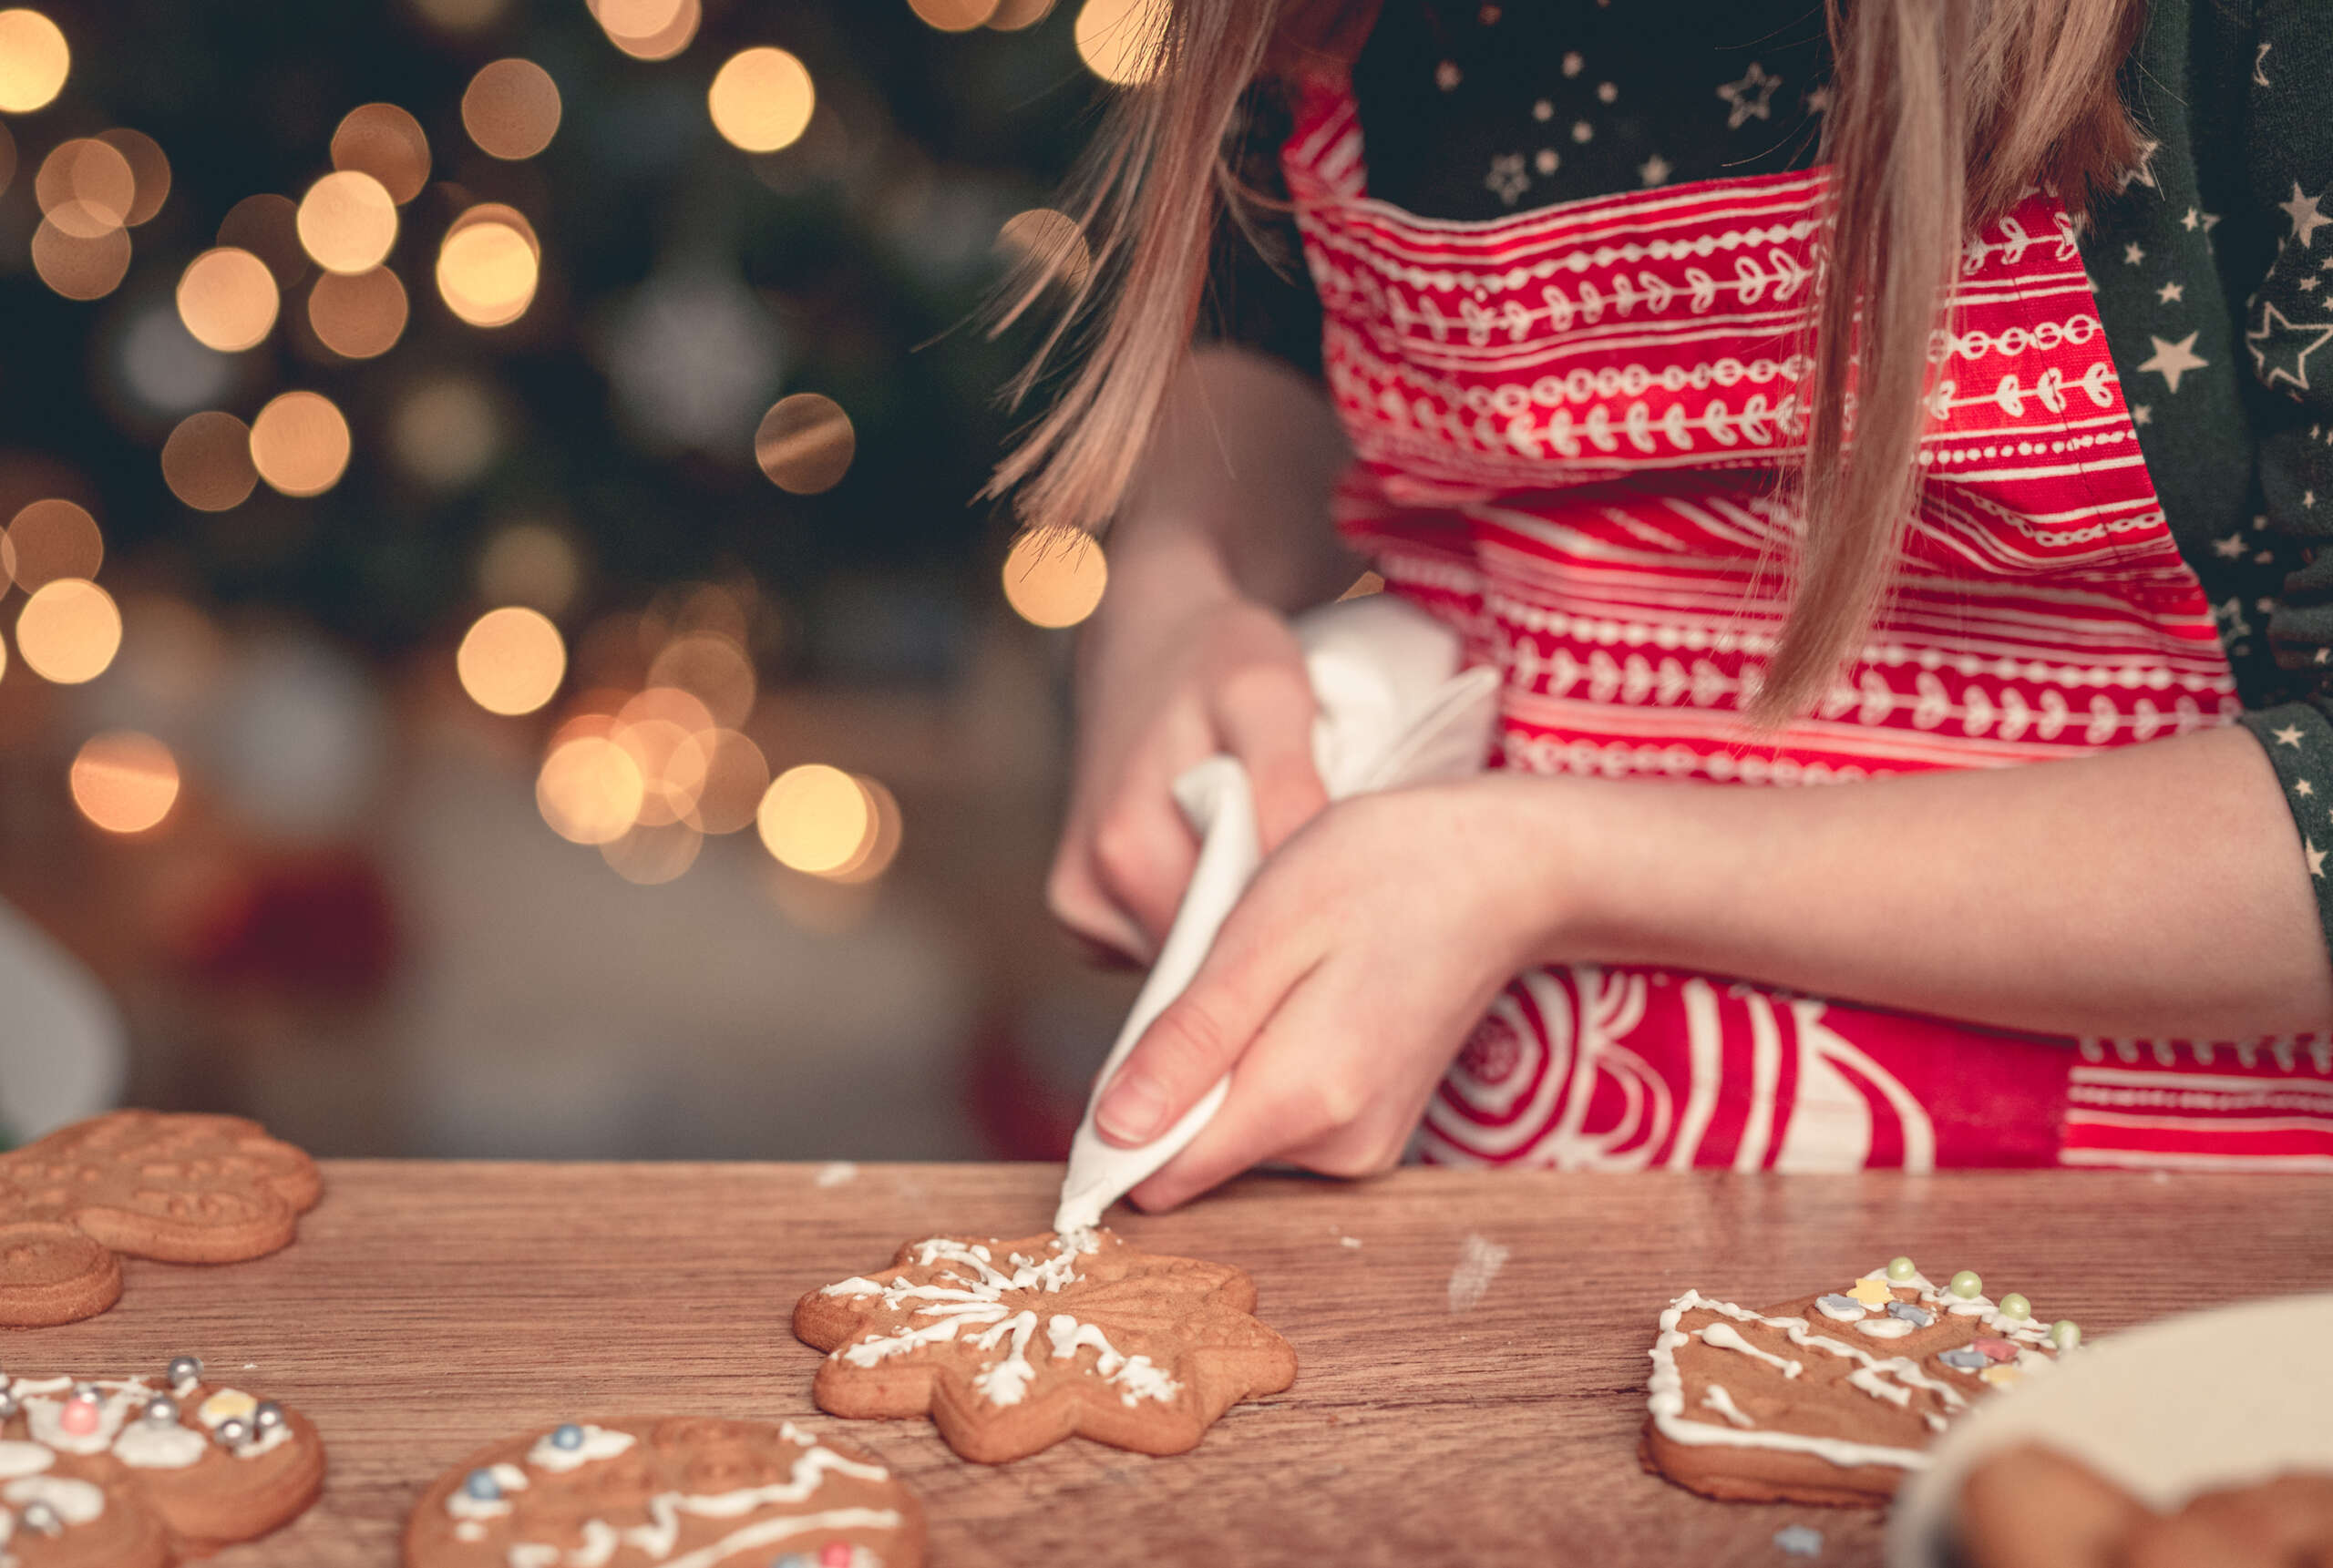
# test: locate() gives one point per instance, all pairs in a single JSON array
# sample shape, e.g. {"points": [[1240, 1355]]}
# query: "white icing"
{"points": [[854, 1286], [45, 1418], [76, 1502], [769, 1532], [1725, 1336], [24, 1458], [508, 1477], [23, 1386], [1884, 1327], [1137, 1377], [1871, 1381], [1006, 1382], [159, 1445], [1852, 1315], [599, 1443], [469, 1530], [1715, 1398], [658, 1537]]}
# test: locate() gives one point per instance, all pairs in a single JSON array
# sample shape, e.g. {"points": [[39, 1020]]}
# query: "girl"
{"points": [[1887, 402]]}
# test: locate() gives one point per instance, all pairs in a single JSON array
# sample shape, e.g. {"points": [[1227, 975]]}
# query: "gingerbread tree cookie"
{"points": [[1012, 1346], [136, 1473], [1832, 1398], [174, 1188], [638, 1492]]}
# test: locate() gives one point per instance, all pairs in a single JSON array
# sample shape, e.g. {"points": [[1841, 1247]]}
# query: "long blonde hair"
{"points": [[1943, 113]]}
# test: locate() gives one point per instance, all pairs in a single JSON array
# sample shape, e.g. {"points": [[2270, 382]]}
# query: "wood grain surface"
{"points": [[429, 1308]]}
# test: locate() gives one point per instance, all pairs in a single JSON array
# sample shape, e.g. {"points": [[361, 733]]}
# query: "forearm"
{"points": [[2155, 891], [1232, 495]]}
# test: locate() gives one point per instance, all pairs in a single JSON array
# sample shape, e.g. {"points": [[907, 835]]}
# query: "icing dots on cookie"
{"points": [[570, 1445]]}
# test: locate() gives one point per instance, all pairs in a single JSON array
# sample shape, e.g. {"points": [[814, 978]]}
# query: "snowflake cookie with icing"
{"points": [[1012, 1346], [144, 1184], [1832, 1398], [666, 1492], [144, 1472]]}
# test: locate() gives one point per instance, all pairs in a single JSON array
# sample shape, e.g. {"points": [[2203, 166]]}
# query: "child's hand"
{"points": [[1346, 980]]}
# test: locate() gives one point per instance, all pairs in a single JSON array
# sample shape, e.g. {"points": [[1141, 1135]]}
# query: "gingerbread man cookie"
{"points": [[1012, 1346], [1832, 1398], [136, 1473], [677, 1492], [174, 1188]]}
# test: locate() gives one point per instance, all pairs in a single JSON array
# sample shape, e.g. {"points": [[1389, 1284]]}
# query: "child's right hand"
{"points": [[1169, 676]]}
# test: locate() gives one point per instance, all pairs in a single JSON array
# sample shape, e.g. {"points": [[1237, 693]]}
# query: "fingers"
{"points": [[1264, 714]]}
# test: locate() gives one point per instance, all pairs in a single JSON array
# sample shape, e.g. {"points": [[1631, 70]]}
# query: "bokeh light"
{"points": [[1014, 14], [655, 728], [347, 223], [815, 818], [8, 158], [651, 856], [68, 631], [358, 315], [511, 661], [1043, 234], [880, 846], [268, 226], [532, 564], [667, 41], [124, 782], [77, 268], [1055, 580], [207, 462], [385, 142], [50, 539], [512, 109], [953, 15], [147, 164], [228, 299], [488, 266], [761, 100], [590, 790], [733, 774], [1119, 40], [711, 668], [445, 431], [300, 443], [805, 443], [34, 61], [85, 188], [461, 16]]}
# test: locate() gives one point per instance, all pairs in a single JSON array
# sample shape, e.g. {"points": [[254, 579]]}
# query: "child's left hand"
{"points": [[1346, 980]]}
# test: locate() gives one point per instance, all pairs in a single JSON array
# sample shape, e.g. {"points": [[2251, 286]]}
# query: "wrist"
{"points": [[1589, 864]]}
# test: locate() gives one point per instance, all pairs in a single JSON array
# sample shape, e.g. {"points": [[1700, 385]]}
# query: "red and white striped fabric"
{"points": [[1568, 425]]}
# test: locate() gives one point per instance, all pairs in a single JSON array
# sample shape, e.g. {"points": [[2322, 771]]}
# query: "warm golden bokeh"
{"points": [[1014, 14], [711, 668], [1053, 238], [147, 164], [676, 34], [590, 790], [1119, 39], [385, 142], [761, 100], [511, 661], [815, 818], [50, 539], [732, 776], [532, 564], [880, 846], [81, 269], [34, 61], [805, 443], [207, 461], [347, 223], [85, 188], [1055, 580], [68, 631], [953, 15], [268, 226], [650, 856], [124, 782], [300, 443], [358, 315], [228, 299], [512, 109], [488, 267]]}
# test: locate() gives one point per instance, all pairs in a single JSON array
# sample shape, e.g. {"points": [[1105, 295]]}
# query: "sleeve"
{"points": [[1258, 292], [2288, 339]]}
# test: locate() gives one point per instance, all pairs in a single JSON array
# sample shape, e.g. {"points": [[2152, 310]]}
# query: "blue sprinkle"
{"points": [[1917, 1316], [482, 1486], [1799, 1540], [569, 1436], [792, 1560], [1966, 1360], [1843, 1304]]}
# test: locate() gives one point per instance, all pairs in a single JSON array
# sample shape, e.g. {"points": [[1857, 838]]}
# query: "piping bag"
{"points": [[1395, 709]]}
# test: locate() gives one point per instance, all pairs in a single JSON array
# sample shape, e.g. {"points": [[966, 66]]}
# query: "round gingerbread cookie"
{"points": [[666, 1492], [146, 1473]]}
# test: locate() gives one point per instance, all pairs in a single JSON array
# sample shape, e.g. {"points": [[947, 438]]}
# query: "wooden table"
{"points": [[429, 1308]]}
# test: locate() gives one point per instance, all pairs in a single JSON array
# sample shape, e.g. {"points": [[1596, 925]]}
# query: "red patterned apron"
{"points": [[1568, 423]]}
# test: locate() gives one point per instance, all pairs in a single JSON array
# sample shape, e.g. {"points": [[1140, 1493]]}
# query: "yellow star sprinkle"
{"points": [[225, 1404], [2002, 1375], [1872, 1292]]}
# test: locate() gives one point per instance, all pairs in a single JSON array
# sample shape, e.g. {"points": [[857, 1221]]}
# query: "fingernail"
{"points": [[1132, 1111]]}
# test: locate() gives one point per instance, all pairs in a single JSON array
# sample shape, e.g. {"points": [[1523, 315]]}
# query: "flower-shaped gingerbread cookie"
{"points": [[1012, 1346], [174, 1188]]}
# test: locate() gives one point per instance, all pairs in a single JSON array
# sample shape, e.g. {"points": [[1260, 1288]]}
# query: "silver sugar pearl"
{"points": [[161, 1408], [86, 1394], [186, 1368], [8, 1405], [232, 1433], [267, 1417], [40, 1516]]}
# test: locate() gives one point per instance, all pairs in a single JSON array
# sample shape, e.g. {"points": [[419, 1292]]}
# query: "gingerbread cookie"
{"points": [[1832, 1398], [1012, 1346], [138, 1473], [2033, 1507], [678, 1493], [174, 1188]]}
